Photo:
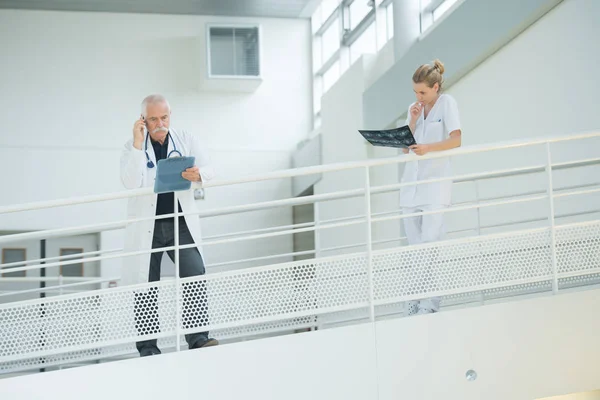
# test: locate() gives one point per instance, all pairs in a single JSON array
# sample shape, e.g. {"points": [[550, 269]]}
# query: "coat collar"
{"points": [[174, 137]]}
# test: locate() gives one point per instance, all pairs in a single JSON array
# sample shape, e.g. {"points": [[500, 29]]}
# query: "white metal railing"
{"points": [[297, 294]]}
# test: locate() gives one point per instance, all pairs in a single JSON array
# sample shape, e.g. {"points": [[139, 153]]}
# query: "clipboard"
{"points": [[398, 137], [168, 174]]}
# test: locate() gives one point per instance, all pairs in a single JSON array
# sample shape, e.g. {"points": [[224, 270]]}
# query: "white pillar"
{"points": [[407, 26]]}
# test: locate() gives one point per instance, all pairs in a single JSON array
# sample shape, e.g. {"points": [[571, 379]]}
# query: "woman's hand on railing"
{"points": [[420, 149]]}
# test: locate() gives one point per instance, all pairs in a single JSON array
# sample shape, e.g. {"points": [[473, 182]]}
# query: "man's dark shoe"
{"points": [[205, 343], [149, 351]]}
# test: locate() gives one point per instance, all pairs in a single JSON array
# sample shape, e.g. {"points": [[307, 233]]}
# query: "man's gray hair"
{"points": [[153, 99]]}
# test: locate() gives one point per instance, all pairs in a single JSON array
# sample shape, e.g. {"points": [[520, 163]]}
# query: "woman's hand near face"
{"points": [[415, 112]]}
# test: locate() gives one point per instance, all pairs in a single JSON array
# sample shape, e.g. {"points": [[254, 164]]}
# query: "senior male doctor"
{"points": [[138, 169]]}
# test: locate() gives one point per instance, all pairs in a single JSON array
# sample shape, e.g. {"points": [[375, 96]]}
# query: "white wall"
{"points": [[521, 350], [520, 93], [595, 395], [293, 367], [539, 83], [71, 86]]}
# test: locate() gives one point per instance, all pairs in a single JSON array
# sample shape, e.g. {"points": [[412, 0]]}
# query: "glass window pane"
{"points": [[389, 11], [345, 64], [317, 56], [331, 40], [424, 4], [316, 21], [317, 121], [12, 256], [317, 93], [365, 44], [426, 21], [71, 269], [234, 51], [442, 8], [331, 76], [358, 10], [327, 7], [222, 49], [247, 52]]}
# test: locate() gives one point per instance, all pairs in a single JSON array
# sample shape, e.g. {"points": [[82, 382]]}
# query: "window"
{"points": [[432, 10], [317, 120], [316, 21], [389, 16], [331, 40], [233, 51], [318, 92], [442, 8], [331, 76], [317, 54], [13, 256], [342, 32], [358, 10], [75, 270], [326, 26], [327, 8], [365, 44]]}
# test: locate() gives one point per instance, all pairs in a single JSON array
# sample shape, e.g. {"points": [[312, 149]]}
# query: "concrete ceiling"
{"points": [[241, 8]]}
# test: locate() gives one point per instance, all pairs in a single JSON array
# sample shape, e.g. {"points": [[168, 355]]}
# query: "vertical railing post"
{"points": [[43, 295], [477, 200], [317, 238], [550, 192], [317, 218], [60, 293], [478, 208], [177, 282], [369, 245]]}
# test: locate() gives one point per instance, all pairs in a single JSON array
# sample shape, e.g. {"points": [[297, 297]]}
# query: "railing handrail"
{"points": [[293, 172], [463, 150], [93, 228]]}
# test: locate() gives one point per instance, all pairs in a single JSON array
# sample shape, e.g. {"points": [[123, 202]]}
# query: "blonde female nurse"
{"points": [[435, 124]]}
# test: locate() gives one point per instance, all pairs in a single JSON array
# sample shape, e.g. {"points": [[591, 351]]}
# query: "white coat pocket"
{"points": [[434, 131]]}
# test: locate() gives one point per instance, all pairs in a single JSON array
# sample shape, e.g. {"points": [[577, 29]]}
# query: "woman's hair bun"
{"points": [[437, 64]]}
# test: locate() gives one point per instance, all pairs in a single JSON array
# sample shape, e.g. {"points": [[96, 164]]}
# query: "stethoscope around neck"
{"points": [[150, 164]]}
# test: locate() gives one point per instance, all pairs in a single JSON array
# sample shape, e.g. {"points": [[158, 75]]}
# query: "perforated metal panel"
{"points": [[578, 248], [80, 322], [285, 293], [452, 267], [106, 323]]}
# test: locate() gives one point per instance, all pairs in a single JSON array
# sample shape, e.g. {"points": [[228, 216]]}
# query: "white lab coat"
{"points": [[442, 119], [135, 174]]}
